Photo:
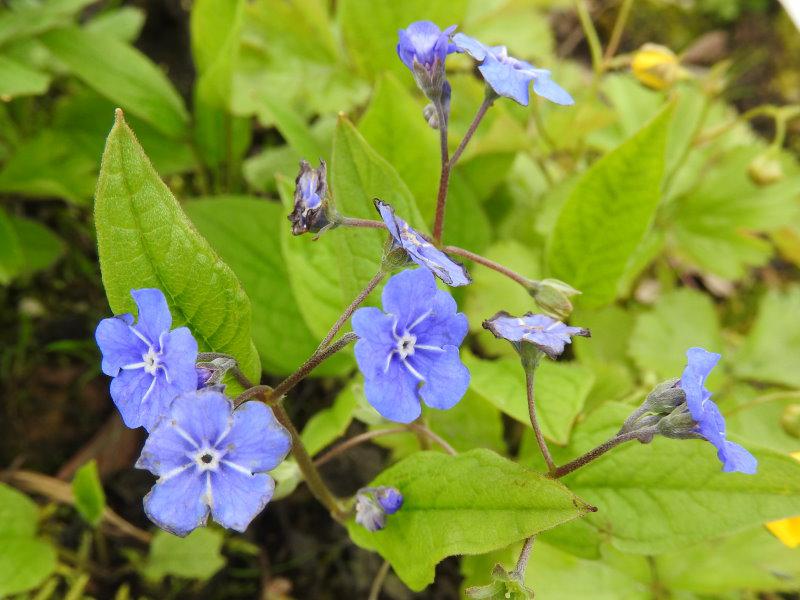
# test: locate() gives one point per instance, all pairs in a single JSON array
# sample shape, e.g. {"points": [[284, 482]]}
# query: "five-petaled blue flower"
{"points": [[710, 422], [149, 363], [509, 76], [211, 458], [420, 250], [546, 333], [423, 48], [409, 353]]}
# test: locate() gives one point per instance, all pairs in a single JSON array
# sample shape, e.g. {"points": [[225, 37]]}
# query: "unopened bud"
{"points": [[765, 169], [553, 297], [374, 504], [656, 66], [211, 372], [312, 210], [665, 397], [790, 420], [429, 112], [678, 425]]}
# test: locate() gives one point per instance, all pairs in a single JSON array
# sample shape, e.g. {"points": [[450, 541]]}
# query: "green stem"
{"points": [[530, 371], [616, 33], [524, 555], [592, 38]]}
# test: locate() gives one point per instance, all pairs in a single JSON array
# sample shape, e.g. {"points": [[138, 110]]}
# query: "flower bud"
{"points": [[311, 207], [790, 420], [374, 504], [656, 66], [765, 169], [678, 425], [211, 372], [553, 297], [665, 397], [506, 585]]}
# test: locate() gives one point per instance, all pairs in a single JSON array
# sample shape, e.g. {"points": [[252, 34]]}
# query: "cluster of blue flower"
{"points": [[212, 458]]}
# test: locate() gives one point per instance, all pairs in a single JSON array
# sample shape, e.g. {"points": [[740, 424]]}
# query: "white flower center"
{"points": [[151, 361], [405, 345], [207, 459]]}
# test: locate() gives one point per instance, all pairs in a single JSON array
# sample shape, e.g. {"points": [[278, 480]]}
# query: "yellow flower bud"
{"points": [[656, 66], [765, 169]]}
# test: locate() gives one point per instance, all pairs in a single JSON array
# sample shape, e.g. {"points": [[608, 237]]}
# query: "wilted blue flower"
{"points": [[509, 76], [423, 48], [710, 422], [374, 504], [409, 354], [390, 499], [546, 333], [211, 458], [149, 363], [310, 199], [420, 250]]}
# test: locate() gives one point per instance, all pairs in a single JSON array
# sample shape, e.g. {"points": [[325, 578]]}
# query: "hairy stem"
{"points": [[482, 260], [444, 176], [306, 464], [373, 283], [524, 555], [597, 452], [353, 222], [362, 438], [529, 385], [487, 103]]}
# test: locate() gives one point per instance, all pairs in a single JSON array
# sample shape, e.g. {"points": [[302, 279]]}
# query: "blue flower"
{"points": [[423, 42], [390, 499], [310, 211], [210, 458], [409, 354], [374, 504], [509, 76], [420, 250], [149, 363], [710, 422], [546, 333], [423, 48]]}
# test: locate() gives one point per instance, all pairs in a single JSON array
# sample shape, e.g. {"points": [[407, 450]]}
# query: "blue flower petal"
{"points": [[167, 448], [699, 364], [424, 41], [179, 357], [256, 442], [205, 415], [446, 377], [471, 46], [177, 504], [128, 390], [445, 325], [550, 90], [394, 395], [408, 295], [506, 80], [154, 317], [546, 333], [238, 497], [371, 323], [118, 344], [737, 459], [371, 358]]}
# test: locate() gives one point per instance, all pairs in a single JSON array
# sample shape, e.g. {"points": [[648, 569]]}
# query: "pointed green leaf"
{"points": [[608, 213], [472, 503], [145, 240], [90, 499], [196, 556]]}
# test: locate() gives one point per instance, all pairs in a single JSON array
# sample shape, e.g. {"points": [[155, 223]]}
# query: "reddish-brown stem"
{"points": [[482, 260], [529, 386], [371, 285], [369, 223]]}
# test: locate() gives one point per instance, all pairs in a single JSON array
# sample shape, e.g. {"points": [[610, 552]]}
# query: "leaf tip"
{"points": [[119, 116]]}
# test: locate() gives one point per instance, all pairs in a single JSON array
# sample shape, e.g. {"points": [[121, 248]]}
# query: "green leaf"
{"points": [[472, 503], [197, 556], [246, 233], [25, 561], [40, 247], [330, 423], [561, 390], [124, 23], [11, 256], [671, 493], [26, 19], [608, 213], [759, 418], [370, 29], [145, 240], [681, 319], [17, 79], [393, 124], [122, 74], [47, 166], [90, 499], [764, 355]]}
